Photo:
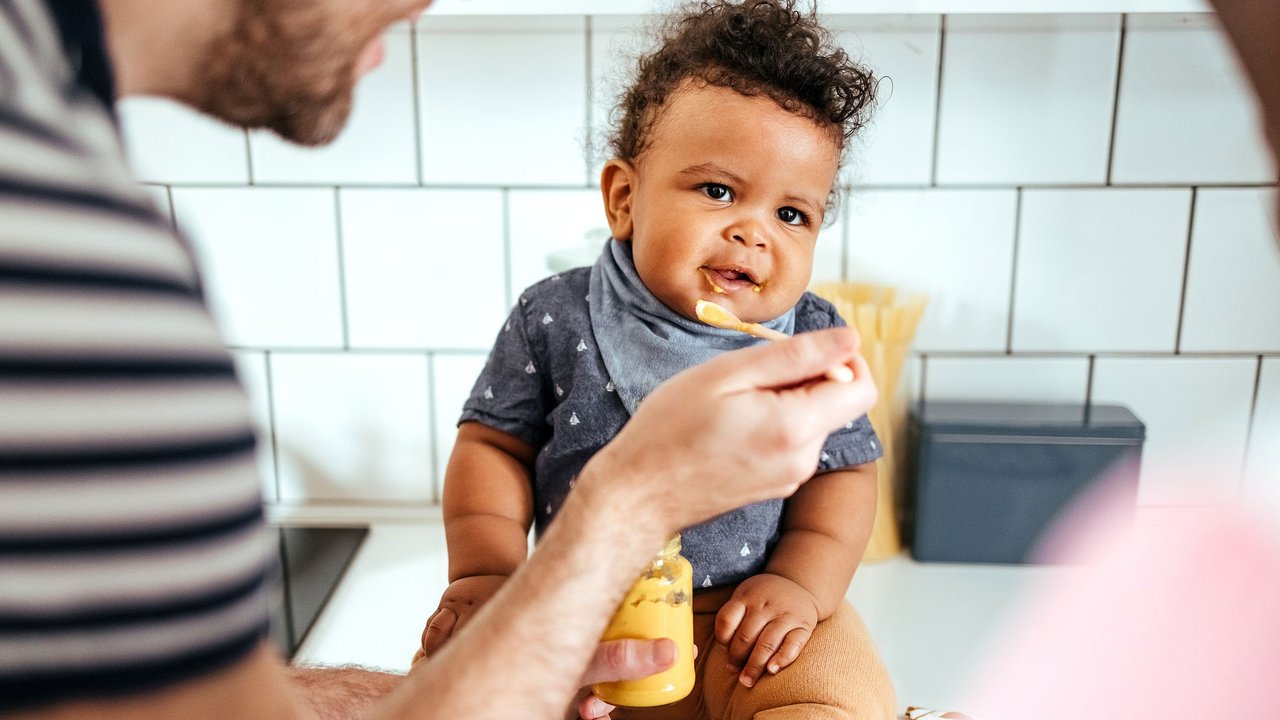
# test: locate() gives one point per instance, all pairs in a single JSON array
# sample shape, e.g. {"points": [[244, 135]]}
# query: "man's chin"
{"points": [[312, 129]]}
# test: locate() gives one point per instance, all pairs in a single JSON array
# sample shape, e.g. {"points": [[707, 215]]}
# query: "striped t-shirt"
{"points": [[133, 552]]}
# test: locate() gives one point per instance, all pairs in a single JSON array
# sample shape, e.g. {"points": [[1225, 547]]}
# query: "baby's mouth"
{"points": [[725, 280]]}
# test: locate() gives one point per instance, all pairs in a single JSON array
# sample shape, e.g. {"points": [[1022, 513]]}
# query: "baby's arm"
{"points": [[488, 508], [825, 528]]}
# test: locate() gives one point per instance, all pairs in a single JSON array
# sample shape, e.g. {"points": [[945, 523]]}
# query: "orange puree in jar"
{"points": [[659, 605]]}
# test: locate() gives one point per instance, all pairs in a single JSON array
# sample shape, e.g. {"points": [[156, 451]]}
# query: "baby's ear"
{"points": [[618, 185]]}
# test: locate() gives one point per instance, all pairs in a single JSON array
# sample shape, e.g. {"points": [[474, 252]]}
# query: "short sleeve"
{"points": [[856, 443], [510, 394]]}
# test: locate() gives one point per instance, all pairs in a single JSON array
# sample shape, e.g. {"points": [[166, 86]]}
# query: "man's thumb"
{"points": [[630, 660]]}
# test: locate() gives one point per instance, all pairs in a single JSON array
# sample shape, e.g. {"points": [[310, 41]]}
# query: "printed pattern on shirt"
{"points": [[567, 407]]}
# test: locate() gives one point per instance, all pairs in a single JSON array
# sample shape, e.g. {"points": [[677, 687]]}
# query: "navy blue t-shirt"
{"points": [[545, 383]]}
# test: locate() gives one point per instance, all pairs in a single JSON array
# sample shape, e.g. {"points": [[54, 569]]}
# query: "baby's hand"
{"points": [[459, 603], [765, 624]]}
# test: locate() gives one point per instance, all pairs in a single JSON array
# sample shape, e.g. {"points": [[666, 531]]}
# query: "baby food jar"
{"points": [[659, 605]]}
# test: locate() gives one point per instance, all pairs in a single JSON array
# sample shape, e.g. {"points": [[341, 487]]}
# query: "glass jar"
{"points": [[659, 605]]}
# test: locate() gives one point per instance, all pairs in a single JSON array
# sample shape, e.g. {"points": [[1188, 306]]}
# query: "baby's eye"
{"points": [[792, 216], [716, 191]]}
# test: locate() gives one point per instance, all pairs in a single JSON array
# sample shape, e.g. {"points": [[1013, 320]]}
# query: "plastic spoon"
{"points": [[716, 316]]}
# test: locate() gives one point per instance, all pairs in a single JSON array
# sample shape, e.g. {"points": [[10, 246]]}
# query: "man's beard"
{"points": [[283, 66]]}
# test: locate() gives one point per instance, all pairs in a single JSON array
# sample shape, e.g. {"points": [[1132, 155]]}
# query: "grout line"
{"points": [[1013, 271], [937, 100], [1115, 95], [173, 210], [506, 248], [342, 270], [1186, 272], [1088, 382], [1253, 418], [590, 155], [417, 103], [271, 420], [437, 482], [248, 157], [924, 377]]}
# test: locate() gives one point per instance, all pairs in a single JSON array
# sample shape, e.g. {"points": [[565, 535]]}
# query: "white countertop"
{"points": [[932, 622]]}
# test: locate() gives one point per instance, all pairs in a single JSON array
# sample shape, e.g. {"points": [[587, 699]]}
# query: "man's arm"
{"points": [[676, 463]]}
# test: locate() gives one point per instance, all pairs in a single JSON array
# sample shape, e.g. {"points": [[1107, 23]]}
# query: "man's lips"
{"points": [[729, 279]]}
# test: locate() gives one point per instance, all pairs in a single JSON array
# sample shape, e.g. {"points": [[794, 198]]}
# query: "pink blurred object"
{"points": [[1175, 616]]}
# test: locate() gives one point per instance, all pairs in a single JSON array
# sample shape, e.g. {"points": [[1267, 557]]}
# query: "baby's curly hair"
{"points": [[754, 47]]}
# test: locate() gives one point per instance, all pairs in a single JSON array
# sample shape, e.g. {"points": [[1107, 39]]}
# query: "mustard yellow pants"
{"points": [[839, 675]]}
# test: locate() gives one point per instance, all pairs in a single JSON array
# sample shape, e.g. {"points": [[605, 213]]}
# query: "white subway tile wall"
{"points": [[551, 230], [1100, 270], [1026, 100], [955, 245], [616, 43], [271, 256], [352, 427], [902, 51], [424, 268], [1234, 273], [378, 145], [1197, 415], [828, 254], [173, 144], [1010, 378], [1085, 199], [503, 101], [1262, 466], [1185, 113]]}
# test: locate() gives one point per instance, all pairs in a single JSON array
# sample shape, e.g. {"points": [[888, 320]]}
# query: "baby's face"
{"points": [[728, 200]]}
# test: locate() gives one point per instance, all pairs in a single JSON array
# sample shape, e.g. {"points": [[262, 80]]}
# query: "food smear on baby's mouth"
{"points": [[715, 289]]}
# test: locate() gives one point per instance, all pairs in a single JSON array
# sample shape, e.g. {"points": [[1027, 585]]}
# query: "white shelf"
{"points": [[827, 7]]}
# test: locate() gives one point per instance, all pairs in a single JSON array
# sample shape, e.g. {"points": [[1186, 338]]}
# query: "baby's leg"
{"points": [[838, 676]]}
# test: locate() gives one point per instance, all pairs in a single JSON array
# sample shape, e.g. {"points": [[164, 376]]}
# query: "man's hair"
{"points": [[754, 47]]}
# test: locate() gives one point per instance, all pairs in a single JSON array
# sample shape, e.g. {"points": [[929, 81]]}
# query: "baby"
{"points": [[725, 160]]}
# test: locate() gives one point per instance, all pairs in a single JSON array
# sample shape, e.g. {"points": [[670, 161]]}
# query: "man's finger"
{"points": [[630, 660], [783, 364], [591, 707], [838, 401]]}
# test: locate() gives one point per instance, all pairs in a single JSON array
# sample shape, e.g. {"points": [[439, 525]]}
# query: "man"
{"points": [[132, 553]]}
